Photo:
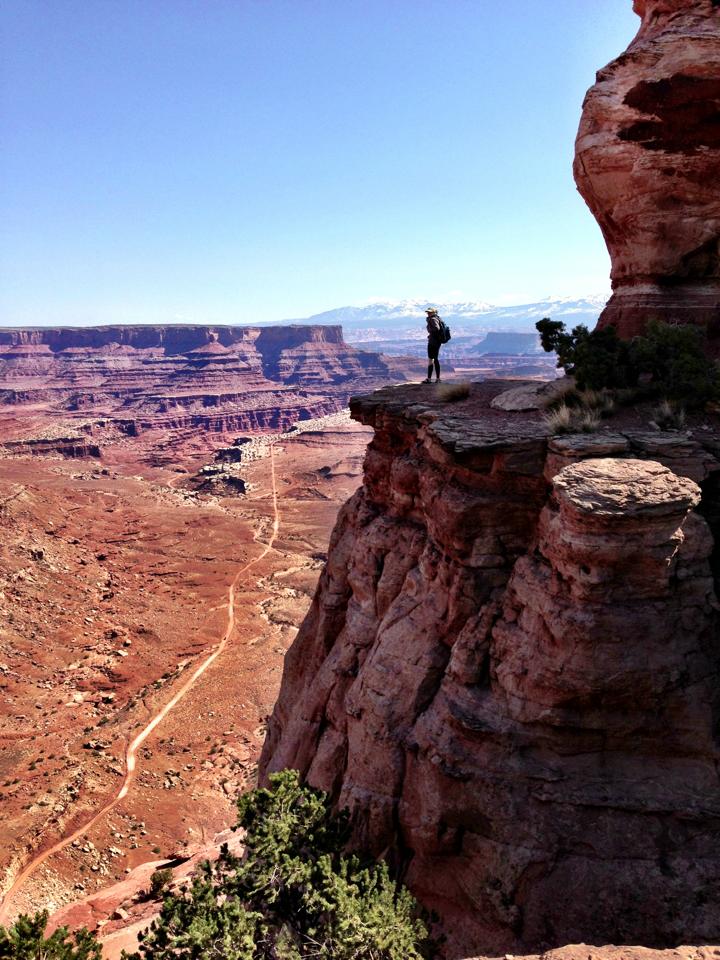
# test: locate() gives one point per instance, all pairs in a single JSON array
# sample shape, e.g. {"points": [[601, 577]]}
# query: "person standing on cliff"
{"points": [[434, 328]]}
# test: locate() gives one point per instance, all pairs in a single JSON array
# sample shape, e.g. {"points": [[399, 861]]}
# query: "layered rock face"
{"points": [[171, 378], [648, 164], [511, 676]]}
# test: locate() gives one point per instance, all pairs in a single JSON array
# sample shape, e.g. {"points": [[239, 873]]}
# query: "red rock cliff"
{"points": [[509, 674], [648, 165]]}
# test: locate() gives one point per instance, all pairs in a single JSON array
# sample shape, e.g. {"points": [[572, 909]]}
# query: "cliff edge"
{"points": [[509, 674]]}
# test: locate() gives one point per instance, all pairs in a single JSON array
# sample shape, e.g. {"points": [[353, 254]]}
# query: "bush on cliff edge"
{"points": [[26, 940], [670, 361], [293, 895]]}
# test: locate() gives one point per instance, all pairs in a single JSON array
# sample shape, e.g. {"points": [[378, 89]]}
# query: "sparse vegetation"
{"points": [[26, 940], [564, 390], [601, 401], [588, 421], [293, 895], [566, 419], [579, 411], [452, 392], [559, 419], [668, 416], [159, 881], [669, 360]]}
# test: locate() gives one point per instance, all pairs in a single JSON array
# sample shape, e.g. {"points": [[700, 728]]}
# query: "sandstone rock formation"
{"points": [[188, 378], [648, 165], [509, 674]]}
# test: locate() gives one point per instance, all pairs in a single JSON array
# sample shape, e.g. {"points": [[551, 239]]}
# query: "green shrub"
{"points": [[597, 359], [26, 940], [674, 359], [158, 881], [669, 360], [293, 894]]}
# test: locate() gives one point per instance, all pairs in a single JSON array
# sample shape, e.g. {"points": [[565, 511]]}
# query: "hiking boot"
{"points": [[427, 380]]}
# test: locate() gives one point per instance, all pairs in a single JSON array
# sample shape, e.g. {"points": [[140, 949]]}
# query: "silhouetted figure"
{"points": [[435, 341]]}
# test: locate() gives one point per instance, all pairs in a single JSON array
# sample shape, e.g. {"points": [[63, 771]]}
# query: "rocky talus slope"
{"points": [[648, 164], [510, 674]]}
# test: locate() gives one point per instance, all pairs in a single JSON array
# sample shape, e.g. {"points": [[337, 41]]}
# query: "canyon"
{"points": [[166, 497], [497, 647], [140, 471], [181, 380]]}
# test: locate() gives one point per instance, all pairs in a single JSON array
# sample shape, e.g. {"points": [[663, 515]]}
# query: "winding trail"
{"points": [[131, 752]]}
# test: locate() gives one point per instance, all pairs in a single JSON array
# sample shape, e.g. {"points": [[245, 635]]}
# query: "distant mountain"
{"points": [[508, 344], [388, 320]]}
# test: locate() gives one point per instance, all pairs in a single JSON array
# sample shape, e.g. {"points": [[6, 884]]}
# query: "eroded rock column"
{"points": [[648, 165], [573, 794]]}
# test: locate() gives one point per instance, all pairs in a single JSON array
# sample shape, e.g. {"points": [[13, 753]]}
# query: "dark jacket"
{"points": [[433, 327]]}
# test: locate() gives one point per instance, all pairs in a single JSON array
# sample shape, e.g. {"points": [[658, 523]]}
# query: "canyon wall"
{"points": [[510, 675], [647, 163], [175, 379]]}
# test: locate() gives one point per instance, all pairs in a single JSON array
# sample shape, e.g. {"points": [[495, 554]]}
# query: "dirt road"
{"points": [[139, 739]]}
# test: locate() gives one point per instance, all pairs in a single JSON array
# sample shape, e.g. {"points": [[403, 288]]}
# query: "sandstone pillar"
{"points": [[647, 163]]}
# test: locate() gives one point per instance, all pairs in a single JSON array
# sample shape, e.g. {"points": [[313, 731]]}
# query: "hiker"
{"points": [[435, 341]]}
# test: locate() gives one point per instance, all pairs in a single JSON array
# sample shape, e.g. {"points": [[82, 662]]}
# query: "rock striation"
{"points": [[509, 674], [647, 163], [183, 379]]}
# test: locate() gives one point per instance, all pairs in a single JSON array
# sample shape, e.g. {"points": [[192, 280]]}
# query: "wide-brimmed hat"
{"points": [[430, 310]]}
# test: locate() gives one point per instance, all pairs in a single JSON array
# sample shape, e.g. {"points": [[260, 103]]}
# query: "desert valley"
{"points": [[141, 481], [304, 655], [144, 474]]}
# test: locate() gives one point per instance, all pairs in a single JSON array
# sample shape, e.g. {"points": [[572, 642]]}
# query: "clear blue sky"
{"points": [[247, 160]]}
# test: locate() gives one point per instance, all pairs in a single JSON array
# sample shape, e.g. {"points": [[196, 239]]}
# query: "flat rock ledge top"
{"points": [[479, 423], [611, 487]]}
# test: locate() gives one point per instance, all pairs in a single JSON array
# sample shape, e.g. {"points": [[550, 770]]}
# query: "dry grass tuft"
{"points": [[560, 419], [563, 390], [565, 419], [452, 392], [667, 416], [588, 421], [603, 401]]}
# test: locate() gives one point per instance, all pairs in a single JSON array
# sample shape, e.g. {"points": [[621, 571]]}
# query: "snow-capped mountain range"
{"points": [[388, 320]]}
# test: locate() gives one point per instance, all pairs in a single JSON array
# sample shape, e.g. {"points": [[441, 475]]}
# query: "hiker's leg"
{"points": [[437, 368], [430, 370]]}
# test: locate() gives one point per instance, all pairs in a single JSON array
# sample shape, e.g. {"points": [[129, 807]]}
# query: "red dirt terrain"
{"points": [[151, 580]]}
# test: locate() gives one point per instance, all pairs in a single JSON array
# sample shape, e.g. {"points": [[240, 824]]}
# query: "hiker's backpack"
{"points": [[444, 332]]}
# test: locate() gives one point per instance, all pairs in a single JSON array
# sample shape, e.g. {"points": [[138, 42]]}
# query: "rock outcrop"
{"points": [[510, 675], [648, 163]]}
